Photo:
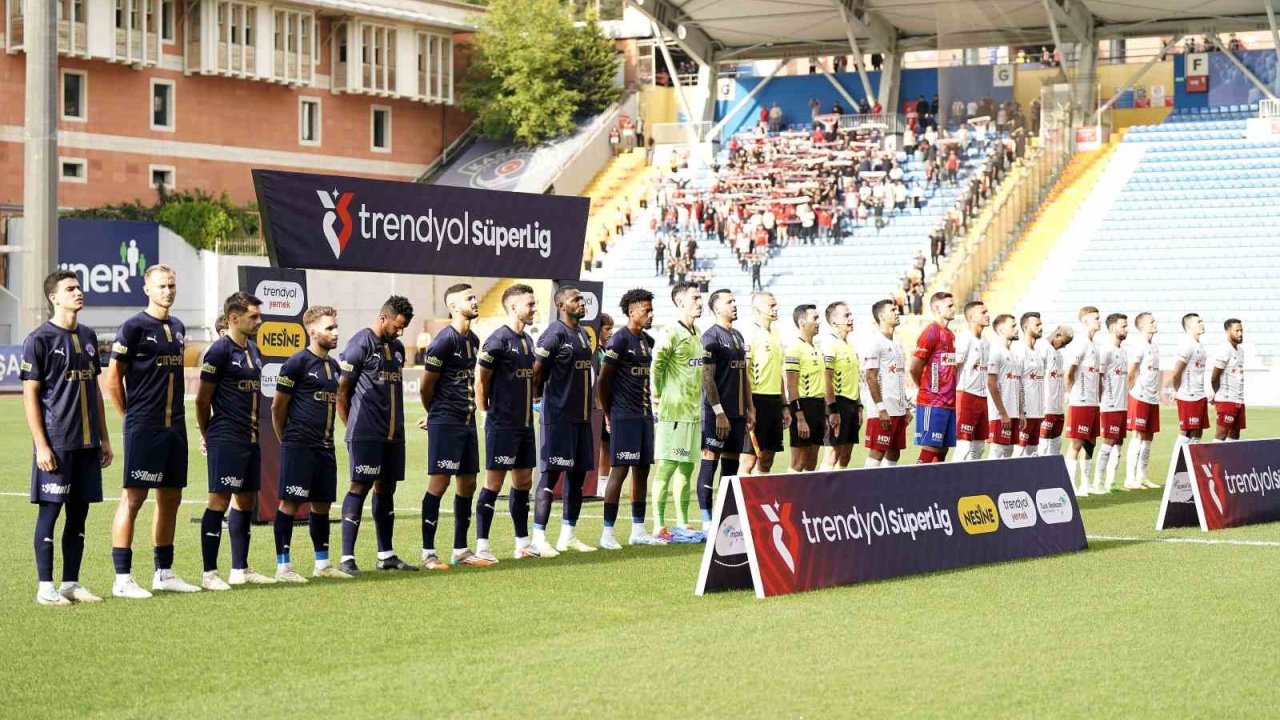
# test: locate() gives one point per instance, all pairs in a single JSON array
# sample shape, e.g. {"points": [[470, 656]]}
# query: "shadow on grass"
{"points": [[1117, 498]]}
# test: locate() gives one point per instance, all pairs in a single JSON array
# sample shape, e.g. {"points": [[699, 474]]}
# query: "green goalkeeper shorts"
{"points": [[678, 441]]}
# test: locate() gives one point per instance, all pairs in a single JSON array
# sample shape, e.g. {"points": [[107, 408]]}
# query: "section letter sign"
{"points": [[283, 294], [109, 257], [332, 222], [1222, 485], [781, 534]]}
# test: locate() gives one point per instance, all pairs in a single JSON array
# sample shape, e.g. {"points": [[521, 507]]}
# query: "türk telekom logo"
{"points": [[337, 205], [786, 539]]}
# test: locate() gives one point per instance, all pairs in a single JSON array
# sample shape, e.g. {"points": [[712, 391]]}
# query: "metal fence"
{"points": [[241, 246]]}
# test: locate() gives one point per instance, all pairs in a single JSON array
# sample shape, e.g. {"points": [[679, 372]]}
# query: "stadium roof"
{"points": [[728, 30]]}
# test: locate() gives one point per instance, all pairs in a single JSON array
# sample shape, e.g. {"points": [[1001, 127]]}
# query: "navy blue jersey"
{"points": [[312, 381], [509, 355], [237, 372], [631, 356], [65, 363], [727, 350], [453, 356], [566, 357], [375, 367], [149, 351]]}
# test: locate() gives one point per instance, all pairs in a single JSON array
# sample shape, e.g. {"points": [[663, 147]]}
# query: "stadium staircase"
{"points": [[862, 270], [1182, 220], [1048, 226]]}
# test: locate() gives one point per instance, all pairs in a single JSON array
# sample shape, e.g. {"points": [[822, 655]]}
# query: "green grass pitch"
{"points": [[1128, 628]]}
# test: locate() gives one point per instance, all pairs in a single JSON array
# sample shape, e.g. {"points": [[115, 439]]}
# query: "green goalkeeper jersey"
{"points": [[678, 356]]}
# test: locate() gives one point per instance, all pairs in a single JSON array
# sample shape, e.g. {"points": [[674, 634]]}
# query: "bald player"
{"points": [[764, 375]]}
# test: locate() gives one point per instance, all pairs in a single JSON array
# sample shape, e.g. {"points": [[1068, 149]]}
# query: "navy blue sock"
{"points": [[706, 482], [352, 509], [283, 527], [610, 514], [46, 520], [430, 520], [519, 504], [486, 502], [73, 540], [163, 555], [384, 518], [238, 529], [319, 526], [461, 521], [542, 501], [637, 511], [210, 538], [573, 496], [122, 558]]}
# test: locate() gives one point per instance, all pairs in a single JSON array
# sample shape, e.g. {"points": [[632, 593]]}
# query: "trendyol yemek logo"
{"points": [[336, 205]]}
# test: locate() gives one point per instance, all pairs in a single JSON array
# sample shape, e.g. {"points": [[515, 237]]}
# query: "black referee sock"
{"points": [[461, 521], [706, 483], [486, 500], [384, 518], [518, 501], [238, 529], [210, 538], [73, 540], [46, 520], [430, 519]]}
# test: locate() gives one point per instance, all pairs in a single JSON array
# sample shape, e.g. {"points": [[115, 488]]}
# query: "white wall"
{"points": [[594, 154]]}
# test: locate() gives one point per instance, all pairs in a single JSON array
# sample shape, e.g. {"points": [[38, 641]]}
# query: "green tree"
{"points": [[531, 72]]}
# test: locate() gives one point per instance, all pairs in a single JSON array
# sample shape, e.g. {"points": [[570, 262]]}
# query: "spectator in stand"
{"points": [[909, 142], [953, 168], [659, 256], [877, 61], [918, 263], [775, 118], [815, 108], [757, 262], [613, 140], [864, 107]]}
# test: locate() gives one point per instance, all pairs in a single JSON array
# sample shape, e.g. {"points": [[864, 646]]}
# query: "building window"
{"points": [[73, 170], [435, 68], [309, 121], [75, 95], [380, 140], [162, 102], [163, 176], [378, 57], [167, 32]]}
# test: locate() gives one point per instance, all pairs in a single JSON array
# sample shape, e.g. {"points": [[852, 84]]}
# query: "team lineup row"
{"points": [[666, 400]]}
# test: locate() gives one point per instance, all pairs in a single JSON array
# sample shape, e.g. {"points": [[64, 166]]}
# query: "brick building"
{"points": [[191, 94]]}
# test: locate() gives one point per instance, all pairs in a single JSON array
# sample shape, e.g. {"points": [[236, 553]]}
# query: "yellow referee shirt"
{"points": [[764, 357], [841, 359], [803, 358]]}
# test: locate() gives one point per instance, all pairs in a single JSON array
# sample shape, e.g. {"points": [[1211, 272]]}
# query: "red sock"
{"points": [[928, 455]]}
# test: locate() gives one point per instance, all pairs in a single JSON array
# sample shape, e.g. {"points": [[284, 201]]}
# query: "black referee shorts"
{"points": [[850, 420], [815, 415], [769, 429]]}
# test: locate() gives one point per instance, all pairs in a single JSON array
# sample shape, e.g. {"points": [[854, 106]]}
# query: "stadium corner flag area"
{"points": [[517, 359]]}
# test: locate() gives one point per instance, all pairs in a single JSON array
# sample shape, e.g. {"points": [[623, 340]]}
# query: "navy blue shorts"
{"points": [[631, 442], [568, 447], [235, 468], [373, 460], [510, 448], [307, 474], [452, 449], [935, 427], [155, 458], [78, 478], [736, 439]]}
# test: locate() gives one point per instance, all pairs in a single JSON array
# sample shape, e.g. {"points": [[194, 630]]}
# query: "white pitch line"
{"points": [[1186, 541]]}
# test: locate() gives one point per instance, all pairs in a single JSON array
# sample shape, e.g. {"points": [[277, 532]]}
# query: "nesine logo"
{"points": [[281, 338], [337, 205], [977, 514]]}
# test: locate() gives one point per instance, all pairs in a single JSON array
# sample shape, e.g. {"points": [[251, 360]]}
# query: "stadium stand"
{"points": [[1185, 232]]}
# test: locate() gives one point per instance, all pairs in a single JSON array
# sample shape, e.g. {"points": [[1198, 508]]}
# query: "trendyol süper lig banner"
{"points": [[781, 534], [330, 222], [1221, 485]]}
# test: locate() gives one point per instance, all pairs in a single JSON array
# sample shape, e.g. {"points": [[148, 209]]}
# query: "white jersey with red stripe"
{"points": [[1146, 386], [1191, 385], [1082, 354], [1055, 378], [1230, 360], [1006, 366], [1032, 361], [1113, 364], [971, 360], [885, 356]]}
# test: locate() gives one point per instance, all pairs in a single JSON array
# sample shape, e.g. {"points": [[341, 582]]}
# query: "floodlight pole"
{"points": [[1135, 78], [853, 104], [39, 181], [857, 52], [675, 81], [1241, 66]]}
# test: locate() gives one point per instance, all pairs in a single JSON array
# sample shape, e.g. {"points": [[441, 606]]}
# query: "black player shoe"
{"points": [[349, 567], [395, 563]]}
